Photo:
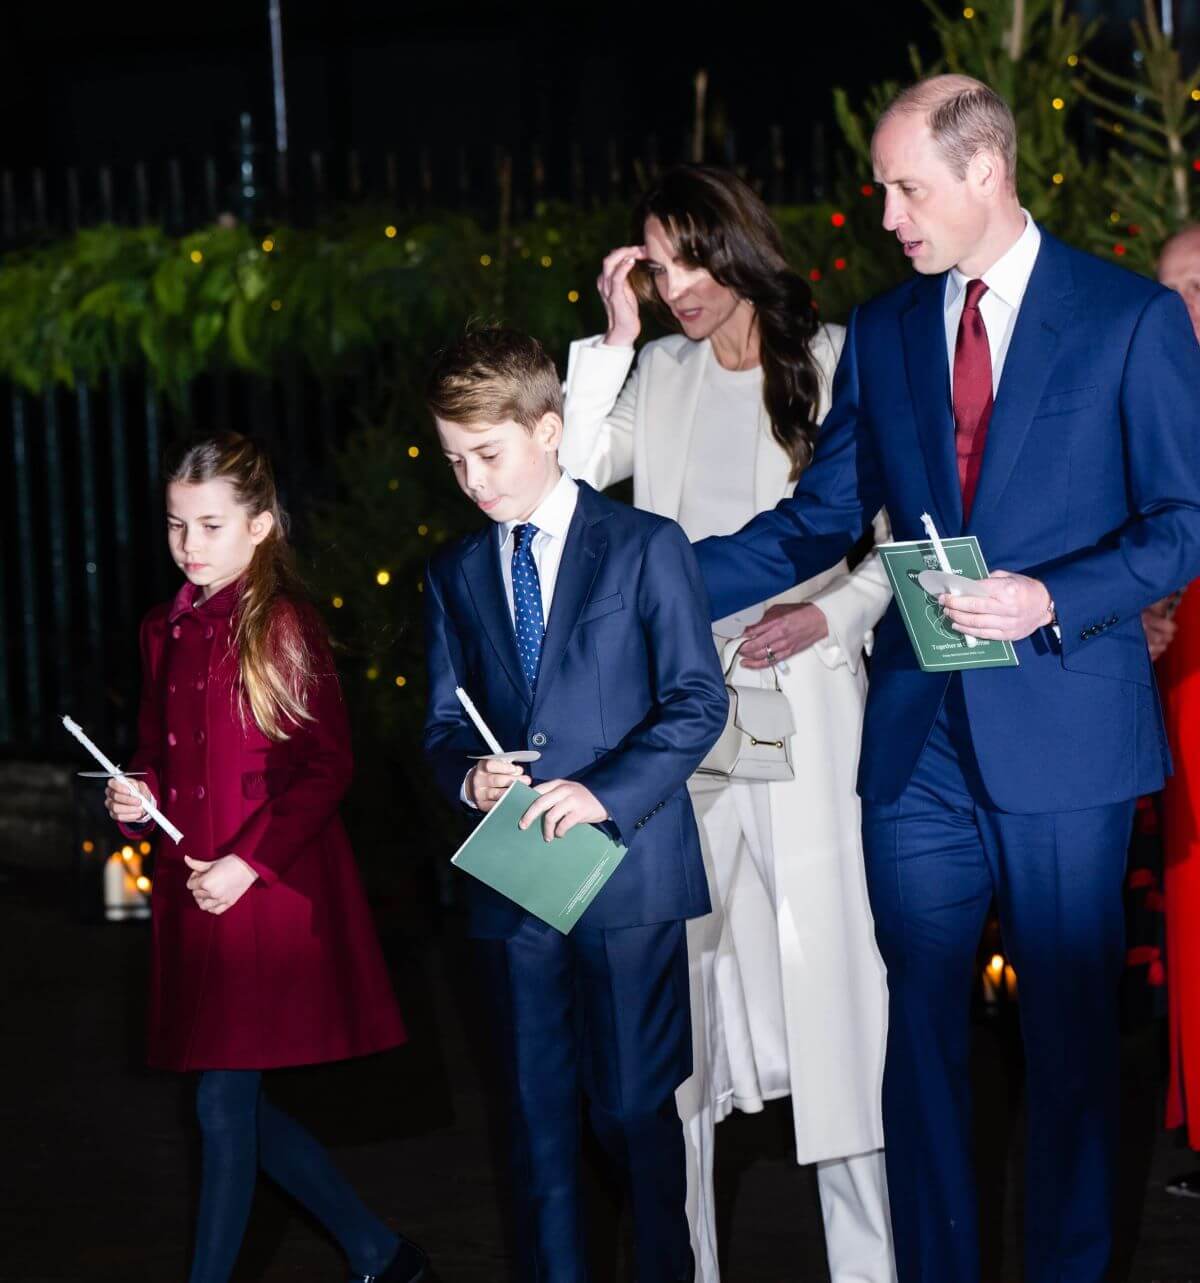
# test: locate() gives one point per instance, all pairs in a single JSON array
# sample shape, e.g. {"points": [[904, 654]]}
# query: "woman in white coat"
{"points": [[714, 425]]}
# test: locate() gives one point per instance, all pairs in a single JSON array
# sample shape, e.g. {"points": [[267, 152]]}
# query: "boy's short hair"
{"points": [[493, 374]]}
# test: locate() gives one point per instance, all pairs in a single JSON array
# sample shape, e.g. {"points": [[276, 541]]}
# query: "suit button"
{"points": [[172, 794], [199, 792], [1112, 621], [1084, 635], [171, 739], [538, 739], [199, 737], [171, 688], [176, 632]]}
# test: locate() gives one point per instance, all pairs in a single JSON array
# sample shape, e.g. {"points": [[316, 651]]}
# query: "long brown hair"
{"points": [[275, 664], [715, 221]]}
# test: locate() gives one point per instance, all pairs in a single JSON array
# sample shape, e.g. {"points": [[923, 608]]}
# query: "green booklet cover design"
{"points": [[555, 881], [938, 647]]}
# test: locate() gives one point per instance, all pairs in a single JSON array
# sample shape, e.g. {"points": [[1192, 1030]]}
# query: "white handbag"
{"points": [[756, 742]]}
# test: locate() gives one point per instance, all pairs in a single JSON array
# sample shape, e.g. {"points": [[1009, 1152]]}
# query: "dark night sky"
{"points": [[118, 82]]}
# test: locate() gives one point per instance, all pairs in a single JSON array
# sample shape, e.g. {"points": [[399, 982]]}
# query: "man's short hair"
{"points": [[965, 117], [493, 374]]}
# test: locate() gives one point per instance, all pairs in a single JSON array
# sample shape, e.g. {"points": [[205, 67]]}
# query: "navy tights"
{"points": [[243, 1131]]}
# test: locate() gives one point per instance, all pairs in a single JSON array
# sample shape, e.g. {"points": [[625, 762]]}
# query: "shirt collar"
{"points": [[553, 515], [1009, 275]]}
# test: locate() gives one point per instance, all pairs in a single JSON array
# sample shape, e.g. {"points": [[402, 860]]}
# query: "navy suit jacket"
{"points": [[1090, 482], [630, 696]]}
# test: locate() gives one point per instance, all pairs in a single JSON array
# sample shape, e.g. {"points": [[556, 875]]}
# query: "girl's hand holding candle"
{"points": [[121, 800]]}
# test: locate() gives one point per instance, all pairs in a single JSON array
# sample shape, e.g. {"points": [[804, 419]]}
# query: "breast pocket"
{"points": [[601, 606], [1066, 402]]}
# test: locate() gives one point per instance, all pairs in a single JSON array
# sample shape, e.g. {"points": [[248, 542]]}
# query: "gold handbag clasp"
{"points": [[765, 743]]}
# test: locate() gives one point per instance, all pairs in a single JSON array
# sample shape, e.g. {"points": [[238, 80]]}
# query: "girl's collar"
{"points": [[219, 605]]}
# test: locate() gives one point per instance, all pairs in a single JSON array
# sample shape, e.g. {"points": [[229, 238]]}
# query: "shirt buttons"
{"points": [[171, 739], [176, 631], [538, 738], [199, 792]]}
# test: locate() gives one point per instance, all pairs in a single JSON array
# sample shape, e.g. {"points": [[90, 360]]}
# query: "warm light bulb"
{"points": [[196, 256], [383, 578], [422, 531], [1196, 95], [144, 848], [276, 304], [485, 260], [88, 847], [338, 603], [546, 260], [401, 680], [572, 296], [968, 13], [390, 232], [1072, 60], [1058, 179], [372, 673], [1057, 104], [268, 245], [413, 451]]}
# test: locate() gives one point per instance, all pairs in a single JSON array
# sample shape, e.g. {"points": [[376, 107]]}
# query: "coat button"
{"points": [[172, 794], [171, 739], [208, 633], [538, 738], [171, 688], [176, 632], [199, 737], [199, 683], [199, 792]]}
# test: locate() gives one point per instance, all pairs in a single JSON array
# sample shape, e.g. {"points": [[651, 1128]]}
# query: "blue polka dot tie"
{"points": [[527, 602]]}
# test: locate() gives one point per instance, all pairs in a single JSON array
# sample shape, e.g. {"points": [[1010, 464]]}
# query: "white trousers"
{"points": [[739, 1042]]}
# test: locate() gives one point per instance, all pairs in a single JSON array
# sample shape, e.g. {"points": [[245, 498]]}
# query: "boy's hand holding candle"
{"points": [[489, 780]]}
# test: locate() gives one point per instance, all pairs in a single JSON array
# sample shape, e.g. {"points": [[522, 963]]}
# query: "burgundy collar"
{"points": [[218, 606]]}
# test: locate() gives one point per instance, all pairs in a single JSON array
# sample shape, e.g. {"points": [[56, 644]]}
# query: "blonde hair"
{"points": [[965, 117], [493, 374], [275, 664]]}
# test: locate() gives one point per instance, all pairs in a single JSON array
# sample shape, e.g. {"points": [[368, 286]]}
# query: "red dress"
{"points": [[293, 973], [1179, 682]]}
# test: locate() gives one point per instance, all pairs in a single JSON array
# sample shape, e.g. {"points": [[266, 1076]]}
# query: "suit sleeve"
{"points": [[321, 766], [814, 528], [657, 757], [149, 753], [449, 737], [598, 413], [1158, 549]]}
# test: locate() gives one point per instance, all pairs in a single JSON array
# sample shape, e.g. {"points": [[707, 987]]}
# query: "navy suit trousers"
{"points": [[935, 858], [602, 1015]]}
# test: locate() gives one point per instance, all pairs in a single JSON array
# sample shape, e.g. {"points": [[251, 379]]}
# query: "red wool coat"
{"points": [[1179, 683], [293, 973]]}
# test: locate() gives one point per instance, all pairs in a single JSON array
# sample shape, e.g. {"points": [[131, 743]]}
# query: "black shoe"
{"points": [[1185, 1186], [409, 1265]]}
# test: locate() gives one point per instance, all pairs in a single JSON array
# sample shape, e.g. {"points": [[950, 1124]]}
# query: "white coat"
{"points": [[619, 424]]}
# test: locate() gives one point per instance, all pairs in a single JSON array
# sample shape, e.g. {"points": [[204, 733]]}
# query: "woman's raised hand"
{"points": [[620, 302]]}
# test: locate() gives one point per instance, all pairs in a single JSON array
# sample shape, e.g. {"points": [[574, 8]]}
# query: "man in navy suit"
{"points": [[580, 628], [1044, 401]]}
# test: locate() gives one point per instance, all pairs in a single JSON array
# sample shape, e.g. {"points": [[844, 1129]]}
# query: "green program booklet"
{"points": [[555, 881], [939, 648]]}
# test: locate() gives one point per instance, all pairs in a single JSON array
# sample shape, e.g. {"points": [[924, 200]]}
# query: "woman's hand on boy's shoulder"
{"points": [[562, 805]]}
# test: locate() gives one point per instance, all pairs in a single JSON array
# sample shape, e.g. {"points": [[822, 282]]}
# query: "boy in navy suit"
{"points": [[579, 626]]}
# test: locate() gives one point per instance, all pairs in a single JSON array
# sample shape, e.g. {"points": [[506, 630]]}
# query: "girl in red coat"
{"points": [[264, 950]]}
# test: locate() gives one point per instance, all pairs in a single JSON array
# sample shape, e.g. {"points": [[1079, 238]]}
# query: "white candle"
{"points": [[480, 725], [115, 771], [943, 563]]}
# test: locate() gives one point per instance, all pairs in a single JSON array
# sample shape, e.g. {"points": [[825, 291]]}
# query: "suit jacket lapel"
{"points": [[923, 326], [1045, 313], [582, 555], [670, 418], [481, 569]]}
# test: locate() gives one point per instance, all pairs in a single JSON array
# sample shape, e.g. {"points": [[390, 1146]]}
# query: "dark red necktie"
{"points": [[972, 394]]}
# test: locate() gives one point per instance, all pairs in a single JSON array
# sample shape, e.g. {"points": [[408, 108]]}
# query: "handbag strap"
{"points": [[737, 643]]}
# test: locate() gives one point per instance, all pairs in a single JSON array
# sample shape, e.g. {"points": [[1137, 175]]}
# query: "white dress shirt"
{"points": [[553, 519], [1006, 281]]}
